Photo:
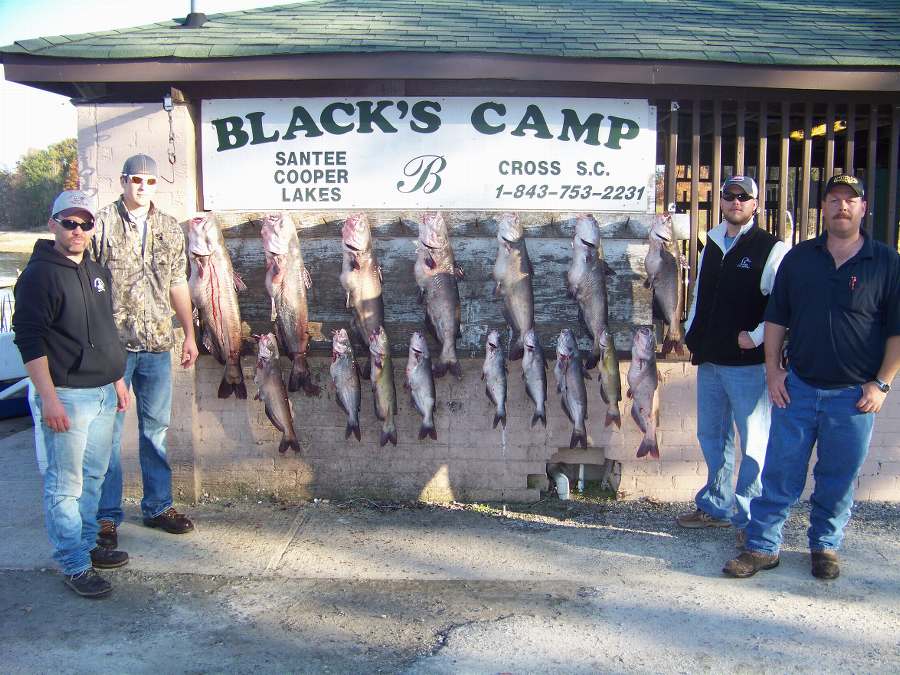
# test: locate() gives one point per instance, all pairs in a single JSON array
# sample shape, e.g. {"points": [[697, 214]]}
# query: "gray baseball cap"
{"points": [[71, 200], [746, 183], [140, 164]]}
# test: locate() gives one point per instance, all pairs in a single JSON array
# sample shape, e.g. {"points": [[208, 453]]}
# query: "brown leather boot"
{"points": [[107, 537], [825, 564], [749, 563]]}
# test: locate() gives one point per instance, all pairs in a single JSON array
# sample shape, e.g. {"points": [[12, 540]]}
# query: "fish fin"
{"points": [[482, 376], [603, 394], [307, 279], [629, 393], [275, 423], [239, 284], [352, 428], [498, 418], [636, 416], [354, 264], [458, 271], [430, 264], [389, 436], [456, 369], [607, 270], [285, 443], [337, 399], [539, 416], [578, 439], [229, 386], [497, 291], [381, 280], [420, 296], [427, 431], [565, 408], [613, 418], [347, 303]]}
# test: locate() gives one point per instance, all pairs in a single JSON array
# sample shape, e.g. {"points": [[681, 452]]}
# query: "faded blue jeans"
{"points": [[149, 374], [829, 419], [729, 396], [76, 463]]}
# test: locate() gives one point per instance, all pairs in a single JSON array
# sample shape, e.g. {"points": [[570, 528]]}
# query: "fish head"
{"points": [[340, 343], [566, 346], [530, 341], [266, 350], [661, 230], [433, 231], [204, 238], [492, 344], [587, 232], [418, 347], [509, 229], [605, 340], [644, 345], [277, 232], [378, 346], [355, 233]]}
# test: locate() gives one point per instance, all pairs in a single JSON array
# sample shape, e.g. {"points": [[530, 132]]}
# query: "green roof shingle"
{"points": [[729, 31]]}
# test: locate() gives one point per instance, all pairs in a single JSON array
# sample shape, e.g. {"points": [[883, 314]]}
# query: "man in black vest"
{"points": [[725, 335], [839, 296]]}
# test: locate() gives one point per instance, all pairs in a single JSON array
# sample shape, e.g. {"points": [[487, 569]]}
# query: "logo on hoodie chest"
{"points": [[745, 264], [99, 286]]}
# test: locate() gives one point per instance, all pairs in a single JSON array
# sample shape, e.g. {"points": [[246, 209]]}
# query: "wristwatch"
{"points": [[884, 386]]}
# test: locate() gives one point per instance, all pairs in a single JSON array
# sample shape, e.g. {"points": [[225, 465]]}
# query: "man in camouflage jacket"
{"points": [[145, 253]]}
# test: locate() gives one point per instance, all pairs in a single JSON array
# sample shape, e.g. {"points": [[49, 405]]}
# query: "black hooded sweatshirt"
{"points": [[64, 312]]}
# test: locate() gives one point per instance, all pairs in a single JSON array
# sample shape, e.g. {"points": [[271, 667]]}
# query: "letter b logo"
{"points": [[426, 170]]}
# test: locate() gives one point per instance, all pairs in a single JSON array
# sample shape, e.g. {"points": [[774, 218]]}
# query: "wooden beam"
{"points": [[739, 124], [829, 141], [892, 218], [850, 142], [783, 169], [806, 176], [716, 162], [672, 156], [761, 165], [871, 167], [695, 195]]}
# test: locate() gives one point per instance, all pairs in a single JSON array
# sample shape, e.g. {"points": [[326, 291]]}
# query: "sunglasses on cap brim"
{"points": [[72, 224], [730, 197]]}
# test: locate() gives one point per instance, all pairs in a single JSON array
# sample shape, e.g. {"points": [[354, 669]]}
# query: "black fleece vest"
{"points": [[730, 301]]}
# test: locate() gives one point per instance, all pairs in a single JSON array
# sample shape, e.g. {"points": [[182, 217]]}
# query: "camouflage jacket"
{"points": [[143, 270]]}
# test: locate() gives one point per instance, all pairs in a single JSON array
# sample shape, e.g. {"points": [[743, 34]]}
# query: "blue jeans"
{"points": [[76, 463], [729, 396], [149, 374], [829, 419]]}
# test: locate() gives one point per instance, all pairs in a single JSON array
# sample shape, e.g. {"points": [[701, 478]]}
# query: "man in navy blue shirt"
{"points": [[839, 295]]}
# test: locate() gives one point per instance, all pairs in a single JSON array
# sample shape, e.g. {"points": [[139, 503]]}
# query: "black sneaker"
{"points": [[88, 584], [108, 559], [107, 537]]}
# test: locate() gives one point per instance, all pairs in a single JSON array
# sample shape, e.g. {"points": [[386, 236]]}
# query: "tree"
{"points": [[28, 191]]}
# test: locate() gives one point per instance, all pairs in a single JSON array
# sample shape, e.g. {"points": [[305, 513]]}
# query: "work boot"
{"points": [[749, 563], [171, 521], [825, 564], [88, 584], [107, 537], [697, 519], [107, 559]]}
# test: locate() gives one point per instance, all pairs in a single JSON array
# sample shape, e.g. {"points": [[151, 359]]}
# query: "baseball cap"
{"points": [[140, 164], [851, 182], [746, 183], [71, 200]]}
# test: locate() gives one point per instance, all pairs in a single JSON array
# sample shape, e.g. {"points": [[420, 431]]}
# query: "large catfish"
{"points": [[570, 386], [493, 372], [587, 282], [513, 273], [345, 376], [385, 393], [272, 392], [287, 281], [534, 372], [643, 382], [664, 278], [361, 279], [420, 382], [436, 273], [213, 286]]}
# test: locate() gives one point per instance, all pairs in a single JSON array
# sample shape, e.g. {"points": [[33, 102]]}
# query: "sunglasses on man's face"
{"points": [[137, 180], [72, 224], [730, 197]]}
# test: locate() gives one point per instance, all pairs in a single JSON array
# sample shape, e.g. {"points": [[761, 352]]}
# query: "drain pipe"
{"points": [[562, 483]]}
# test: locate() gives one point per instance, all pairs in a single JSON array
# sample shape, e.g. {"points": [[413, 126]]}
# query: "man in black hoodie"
{"points": [[65, 332]]}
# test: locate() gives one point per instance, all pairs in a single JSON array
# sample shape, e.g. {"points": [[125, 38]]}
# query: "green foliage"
{"points": [[27, 192]]}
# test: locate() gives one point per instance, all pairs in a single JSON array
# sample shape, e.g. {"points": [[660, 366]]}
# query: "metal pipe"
{"points": [[562, 483], [14, 388]]}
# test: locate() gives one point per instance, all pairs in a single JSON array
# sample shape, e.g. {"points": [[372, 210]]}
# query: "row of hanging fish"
{"points": [[214, 287]]}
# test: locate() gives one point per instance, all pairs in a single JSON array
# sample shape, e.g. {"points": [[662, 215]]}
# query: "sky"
{"points": [[33, 119]]}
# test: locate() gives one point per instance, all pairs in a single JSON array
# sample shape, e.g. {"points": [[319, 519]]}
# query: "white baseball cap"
{"points": [[72, 200]]}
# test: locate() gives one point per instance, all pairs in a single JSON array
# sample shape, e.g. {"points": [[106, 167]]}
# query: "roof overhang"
{"points": [[55, 74]]}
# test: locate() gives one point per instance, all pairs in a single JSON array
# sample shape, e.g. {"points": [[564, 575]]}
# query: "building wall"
{"points": [[222, 448]]}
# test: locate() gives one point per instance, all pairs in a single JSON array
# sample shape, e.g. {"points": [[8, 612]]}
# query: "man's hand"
{"points": [[54, 415], [745, 341], [872, 398], [123, 396], [189, 352], [775, 379]]}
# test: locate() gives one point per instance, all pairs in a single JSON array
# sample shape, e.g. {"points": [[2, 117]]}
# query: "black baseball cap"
{"points": [[846, 179], [746, 183]]}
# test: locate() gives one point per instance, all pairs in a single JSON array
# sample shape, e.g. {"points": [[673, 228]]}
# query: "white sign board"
{"points": [[546, 154]]}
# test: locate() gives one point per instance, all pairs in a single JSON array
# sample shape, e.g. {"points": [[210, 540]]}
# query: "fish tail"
{"points": [[286, 443], [300, 377], [455, 368], [500, 418], [426, 431], [388, 434], [517, 350], [591, 361], [579, 438], [439, 368], [352, 428], [613, 417], [670, 344], [539, 415], [648, 446], [233, 383]]}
